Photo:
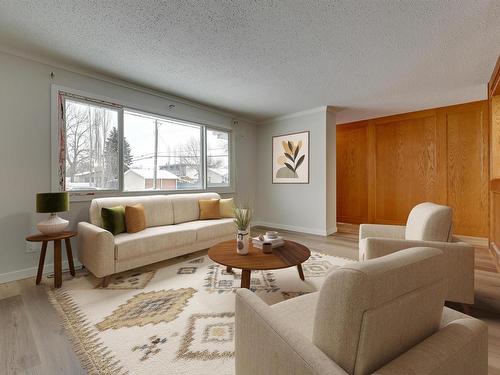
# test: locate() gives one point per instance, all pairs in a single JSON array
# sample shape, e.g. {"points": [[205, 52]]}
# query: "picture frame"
{"points": [[291, 158]]}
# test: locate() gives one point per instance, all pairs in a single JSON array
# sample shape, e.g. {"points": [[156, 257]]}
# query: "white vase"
{"points": [[242, 240], [53, 225]]}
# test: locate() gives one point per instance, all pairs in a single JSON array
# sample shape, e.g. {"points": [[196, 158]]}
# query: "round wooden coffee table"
{"points": [[289, 255]]}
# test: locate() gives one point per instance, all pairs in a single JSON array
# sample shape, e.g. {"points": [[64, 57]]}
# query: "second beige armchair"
{"points": [[428, 225]]}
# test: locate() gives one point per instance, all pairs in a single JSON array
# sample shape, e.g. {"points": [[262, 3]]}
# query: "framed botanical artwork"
{"points": [[291, 158]]}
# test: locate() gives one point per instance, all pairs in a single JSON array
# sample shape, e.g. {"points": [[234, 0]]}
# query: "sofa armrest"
{"points": [[378, 230], [96, 249], [459, 348], [268, 345], [459, 262]]}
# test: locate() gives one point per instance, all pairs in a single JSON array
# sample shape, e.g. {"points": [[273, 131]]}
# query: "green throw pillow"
{"points": [[113, 219]]}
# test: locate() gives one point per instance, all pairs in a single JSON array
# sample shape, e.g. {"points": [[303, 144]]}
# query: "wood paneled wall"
{"points": [[494, 103], [386, 166]]}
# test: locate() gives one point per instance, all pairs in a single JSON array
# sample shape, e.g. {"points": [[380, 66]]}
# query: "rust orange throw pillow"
{"points": [[135, 218], [209, 209]]}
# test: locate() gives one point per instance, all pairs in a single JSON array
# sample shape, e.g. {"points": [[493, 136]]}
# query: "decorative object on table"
{"points": [[272, 234], [275, 241], [291, 158], [267, 248], [57, 238], [242, 217], [52, 203]]}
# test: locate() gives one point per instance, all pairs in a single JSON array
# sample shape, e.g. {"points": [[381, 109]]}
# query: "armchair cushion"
{"points": [[360, 301], [301, 310], [429, 222], [268, 343], [459, 347], [380, 230]]}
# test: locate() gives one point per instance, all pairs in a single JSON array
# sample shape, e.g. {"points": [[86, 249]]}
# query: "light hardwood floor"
{"points": [[32, 341]]}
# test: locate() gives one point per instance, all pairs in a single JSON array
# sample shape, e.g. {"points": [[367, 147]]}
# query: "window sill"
{"points": [[87, 196]]}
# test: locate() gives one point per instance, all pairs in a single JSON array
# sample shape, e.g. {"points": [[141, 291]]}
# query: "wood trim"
{"points": [[494, 83], [495, 253], [494, 91], [372, 173]]}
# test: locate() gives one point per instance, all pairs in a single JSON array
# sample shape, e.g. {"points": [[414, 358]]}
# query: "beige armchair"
{"points": [[428, 225], [382, 316]]}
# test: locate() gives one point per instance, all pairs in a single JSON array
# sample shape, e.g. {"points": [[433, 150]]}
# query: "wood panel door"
{"points": [[409, 165], [352, 173], [467, 160]]}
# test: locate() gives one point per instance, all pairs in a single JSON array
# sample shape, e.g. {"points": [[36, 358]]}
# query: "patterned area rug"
{"points": [[174, 317]]}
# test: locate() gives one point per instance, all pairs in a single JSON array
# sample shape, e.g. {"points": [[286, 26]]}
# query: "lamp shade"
{"points": [[52, 202]]}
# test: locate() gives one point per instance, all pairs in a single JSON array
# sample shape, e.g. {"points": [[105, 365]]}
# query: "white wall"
{"points": [[25, 148], [309, 207]]}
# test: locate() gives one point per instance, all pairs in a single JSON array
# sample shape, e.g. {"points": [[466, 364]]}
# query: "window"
{"points": [[217, 158], [109, 147], [161, 154], [91, 146]]}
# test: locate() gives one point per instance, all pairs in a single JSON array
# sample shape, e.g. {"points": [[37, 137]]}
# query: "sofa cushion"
{"points": [[158, 208], [210, 229], [150, 240], [186, 206]]}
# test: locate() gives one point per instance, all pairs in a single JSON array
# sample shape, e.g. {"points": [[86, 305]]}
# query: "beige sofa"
{"points": [[428, 225], [173, 229], [382, 316]]}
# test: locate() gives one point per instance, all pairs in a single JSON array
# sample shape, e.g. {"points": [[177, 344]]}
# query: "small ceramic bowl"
{"points": [[272, 234]]}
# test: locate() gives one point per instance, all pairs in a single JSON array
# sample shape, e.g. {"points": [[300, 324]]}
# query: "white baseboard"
{"points": [[293, 228], [31, 272], [331, 230]]}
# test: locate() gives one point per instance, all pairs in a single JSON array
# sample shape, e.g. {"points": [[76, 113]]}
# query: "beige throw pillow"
{"points": [[135, 218], [209, 209], [226, 207]]}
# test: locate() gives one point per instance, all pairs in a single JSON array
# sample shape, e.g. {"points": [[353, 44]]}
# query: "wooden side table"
{"points": [[57, 238]]}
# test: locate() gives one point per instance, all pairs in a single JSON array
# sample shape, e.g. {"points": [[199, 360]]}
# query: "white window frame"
{"points": [[120, 106]]}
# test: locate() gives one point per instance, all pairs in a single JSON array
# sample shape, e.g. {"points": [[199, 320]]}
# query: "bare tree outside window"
{"points": [[88, 165]]}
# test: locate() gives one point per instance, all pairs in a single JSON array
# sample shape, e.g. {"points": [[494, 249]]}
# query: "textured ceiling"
{"points": [[262, 59]]}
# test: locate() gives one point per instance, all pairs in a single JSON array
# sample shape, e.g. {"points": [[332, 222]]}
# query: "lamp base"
{"points": [[53, 225]]}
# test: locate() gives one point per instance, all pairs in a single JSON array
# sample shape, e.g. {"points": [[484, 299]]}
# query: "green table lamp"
{"points": [[52, 203]]}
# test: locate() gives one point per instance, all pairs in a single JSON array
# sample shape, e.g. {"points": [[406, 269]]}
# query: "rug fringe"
{"points": [[94, 356]]}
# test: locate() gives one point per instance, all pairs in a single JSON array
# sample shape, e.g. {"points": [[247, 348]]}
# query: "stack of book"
{"points": [[275, 242]]}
